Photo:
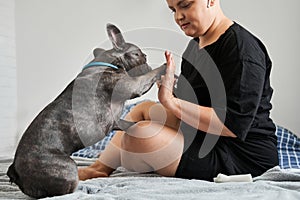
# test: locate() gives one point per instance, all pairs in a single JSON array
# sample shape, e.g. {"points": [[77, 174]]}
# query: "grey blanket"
{"points": [[274, 184]]}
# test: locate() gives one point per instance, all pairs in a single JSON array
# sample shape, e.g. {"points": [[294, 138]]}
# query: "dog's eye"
{"points": [[136, 54]]}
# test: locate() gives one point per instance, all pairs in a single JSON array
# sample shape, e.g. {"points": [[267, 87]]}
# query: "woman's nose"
{"points": [[179, 16]]}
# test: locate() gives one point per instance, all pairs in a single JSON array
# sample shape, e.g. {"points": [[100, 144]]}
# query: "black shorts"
{"points": [[229, 156]]}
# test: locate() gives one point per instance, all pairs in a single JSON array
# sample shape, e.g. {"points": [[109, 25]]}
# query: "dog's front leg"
{"points": [[130, 87], [123, 125]]}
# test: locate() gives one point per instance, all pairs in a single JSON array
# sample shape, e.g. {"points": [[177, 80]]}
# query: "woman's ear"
{"points": [[210, 3]]}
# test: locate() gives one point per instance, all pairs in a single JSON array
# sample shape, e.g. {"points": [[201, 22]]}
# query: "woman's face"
{"points": [[192, 16]]}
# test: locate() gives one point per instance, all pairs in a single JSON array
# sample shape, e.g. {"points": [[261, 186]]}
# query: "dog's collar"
{"points": [[104, 64]]}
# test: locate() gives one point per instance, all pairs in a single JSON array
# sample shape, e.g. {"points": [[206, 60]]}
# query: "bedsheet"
{"points": [[276, 183]]}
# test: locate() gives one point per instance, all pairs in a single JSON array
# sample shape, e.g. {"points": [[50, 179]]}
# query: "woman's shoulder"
{"points": [[248, 45], [237, 34], [245, 38]]}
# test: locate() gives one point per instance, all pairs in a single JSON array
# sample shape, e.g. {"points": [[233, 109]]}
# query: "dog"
{"points": [[87, 109]]}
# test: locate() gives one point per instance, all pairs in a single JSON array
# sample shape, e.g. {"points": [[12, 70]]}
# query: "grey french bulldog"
{"points": [[88, 109]]}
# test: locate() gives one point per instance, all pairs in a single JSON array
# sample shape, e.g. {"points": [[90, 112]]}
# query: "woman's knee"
{"points": [[147, 136], [140, 111], [136, 139], [144, 129]]}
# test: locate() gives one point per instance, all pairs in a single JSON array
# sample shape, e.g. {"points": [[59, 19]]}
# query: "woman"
{"points": [[203, 127]]}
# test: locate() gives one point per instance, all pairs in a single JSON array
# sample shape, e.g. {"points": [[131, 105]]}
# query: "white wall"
{"points": [[55, 38], [8, 79]]}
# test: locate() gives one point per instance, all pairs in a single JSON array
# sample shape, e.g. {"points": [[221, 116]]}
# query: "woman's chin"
{"points": [[190, 34]]}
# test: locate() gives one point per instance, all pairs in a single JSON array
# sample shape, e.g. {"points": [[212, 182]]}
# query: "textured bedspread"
{"points": [[274, 184]]}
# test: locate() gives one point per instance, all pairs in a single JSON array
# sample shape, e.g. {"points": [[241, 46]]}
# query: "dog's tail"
{"points": [[12, 174], [28, 190]]}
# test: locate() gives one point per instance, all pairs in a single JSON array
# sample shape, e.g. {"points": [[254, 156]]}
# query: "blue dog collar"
{"points": [[104, 64]]}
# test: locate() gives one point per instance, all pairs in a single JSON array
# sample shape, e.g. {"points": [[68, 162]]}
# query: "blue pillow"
{"points": [[94, 150], [288, 146]]}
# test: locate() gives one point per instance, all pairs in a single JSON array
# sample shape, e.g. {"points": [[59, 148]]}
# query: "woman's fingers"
{"points": [[168, 79], [166, 84], [170, 64]]}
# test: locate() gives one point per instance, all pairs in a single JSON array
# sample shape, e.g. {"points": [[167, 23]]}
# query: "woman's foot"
{"points": [[88, 173], [94, 171]]}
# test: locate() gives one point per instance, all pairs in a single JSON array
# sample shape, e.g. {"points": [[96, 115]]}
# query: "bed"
{"points": [[280, 182]]}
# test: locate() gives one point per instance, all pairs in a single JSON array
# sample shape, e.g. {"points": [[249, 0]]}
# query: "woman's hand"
{"points": [[165, 92], [199, 117]]}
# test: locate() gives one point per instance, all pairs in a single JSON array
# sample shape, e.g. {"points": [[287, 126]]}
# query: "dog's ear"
{"points": [[98, 52], [115, 36]]}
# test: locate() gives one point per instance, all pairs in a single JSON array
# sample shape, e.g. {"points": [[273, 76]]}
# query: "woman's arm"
{"points": [[200, 117]]}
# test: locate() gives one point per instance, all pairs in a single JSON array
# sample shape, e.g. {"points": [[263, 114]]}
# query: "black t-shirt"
{"points": [[232, 76]]}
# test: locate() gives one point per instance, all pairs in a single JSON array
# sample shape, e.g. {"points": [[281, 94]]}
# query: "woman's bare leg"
{"points": [[150, 146], [113, 156]]}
